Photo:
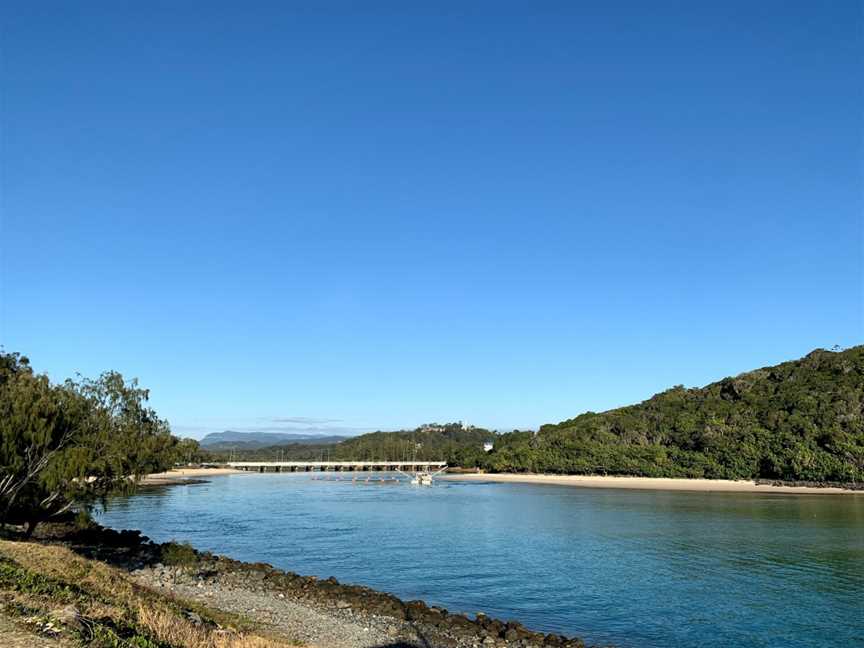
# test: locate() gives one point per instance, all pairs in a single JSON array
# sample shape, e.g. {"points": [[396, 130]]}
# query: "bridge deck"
{"points": [[347, 466]]}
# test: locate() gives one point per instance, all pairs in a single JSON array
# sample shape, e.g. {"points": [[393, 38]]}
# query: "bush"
{"points": [[179, 554]]}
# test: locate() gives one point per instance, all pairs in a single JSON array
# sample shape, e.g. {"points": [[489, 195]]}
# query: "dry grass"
{"points": [[42, 578], [165, 628]]}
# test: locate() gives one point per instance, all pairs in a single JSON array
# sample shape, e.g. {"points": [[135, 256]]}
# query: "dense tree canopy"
{"points": [[800, 420], [68, 444], [452, 442]]}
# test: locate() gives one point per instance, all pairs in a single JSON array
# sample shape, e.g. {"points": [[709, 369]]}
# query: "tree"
{"points": [[72, 444], [190, 451], [36, 424]]}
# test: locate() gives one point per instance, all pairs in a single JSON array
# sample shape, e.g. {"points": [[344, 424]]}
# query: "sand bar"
{"points": [[650, 483], [181, 475]]}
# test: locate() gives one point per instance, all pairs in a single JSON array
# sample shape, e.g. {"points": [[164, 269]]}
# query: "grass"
{"points": [[109, 609]]}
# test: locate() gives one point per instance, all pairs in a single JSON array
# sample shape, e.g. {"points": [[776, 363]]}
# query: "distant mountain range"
{"points": [[232, 440]]}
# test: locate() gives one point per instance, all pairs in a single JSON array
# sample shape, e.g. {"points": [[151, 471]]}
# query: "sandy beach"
{"points": [[181, 475], [651, 483]]}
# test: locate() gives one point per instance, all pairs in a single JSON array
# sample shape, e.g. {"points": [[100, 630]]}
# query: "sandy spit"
{"points": [[181, 475], [651, 483]]}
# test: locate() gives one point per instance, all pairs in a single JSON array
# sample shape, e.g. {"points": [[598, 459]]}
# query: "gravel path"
{"points": [[333, 628]]}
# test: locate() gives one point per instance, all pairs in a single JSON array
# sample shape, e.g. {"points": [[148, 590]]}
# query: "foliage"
{"points": [[70, 444], [800, 420], [189, 451], [179, 554], [452, 442]]}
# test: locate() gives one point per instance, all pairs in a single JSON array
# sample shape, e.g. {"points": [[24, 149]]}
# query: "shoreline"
{"points": [[185, 476], [181, 476], [651, 483], [302, 610]]}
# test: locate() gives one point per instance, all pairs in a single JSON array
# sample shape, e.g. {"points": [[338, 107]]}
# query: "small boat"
{"points": [[422, 479]]}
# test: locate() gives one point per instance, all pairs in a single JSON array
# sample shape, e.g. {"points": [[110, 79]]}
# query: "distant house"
{"points": [[487, 447]]}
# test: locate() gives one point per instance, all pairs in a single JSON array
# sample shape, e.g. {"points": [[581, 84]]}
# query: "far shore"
{"points": [[184, 475], [651, 483], [199, 475]]}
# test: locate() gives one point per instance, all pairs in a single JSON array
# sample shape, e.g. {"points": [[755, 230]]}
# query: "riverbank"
{"points": [[652, 483], [254, 605], [51, 597], [186, 476]]}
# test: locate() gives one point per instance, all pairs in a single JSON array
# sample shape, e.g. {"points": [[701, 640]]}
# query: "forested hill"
{"points": [[452, 442], [800, 420]]}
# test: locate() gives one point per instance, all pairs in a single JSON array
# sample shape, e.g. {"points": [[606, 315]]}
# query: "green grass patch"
{"points": [[15, 578]]}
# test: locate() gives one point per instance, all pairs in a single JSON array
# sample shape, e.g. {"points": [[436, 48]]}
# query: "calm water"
{"points": [[630, 568]]}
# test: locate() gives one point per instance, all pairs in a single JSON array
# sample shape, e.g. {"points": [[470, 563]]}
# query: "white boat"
{"points": [[422, 479]]}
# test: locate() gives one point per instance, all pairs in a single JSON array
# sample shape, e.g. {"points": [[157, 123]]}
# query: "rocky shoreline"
{"points": [[319, 612]]}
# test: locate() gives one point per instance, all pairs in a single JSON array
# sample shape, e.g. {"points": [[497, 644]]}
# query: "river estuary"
{"points": [[635, 569]]}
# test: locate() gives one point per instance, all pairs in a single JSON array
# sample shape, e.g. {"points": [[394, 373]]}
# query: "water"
{"points": [[630, 568]]}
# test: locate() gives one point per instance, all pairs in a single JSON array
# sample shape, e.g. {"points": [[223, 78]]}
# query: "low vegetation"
{"points": [[57, 593], [179, 554]]}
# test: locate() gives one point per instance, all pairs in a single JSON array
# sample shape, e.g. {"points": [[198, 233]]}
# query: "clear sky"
{"points": [[373, 215]]}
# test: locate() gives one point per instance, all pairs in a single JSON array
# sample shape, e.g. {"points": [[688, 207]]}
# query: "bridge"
{"points": [[339, 466]]}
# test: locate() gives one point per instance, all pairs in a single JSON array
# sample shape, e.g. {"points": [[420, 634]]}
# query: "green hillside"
{"points": [[800, 420], [451, 442]]}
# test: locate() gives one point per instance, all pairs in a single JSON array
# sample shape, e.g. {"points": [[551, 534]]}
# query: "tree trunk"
{"points": [[31, 527]]}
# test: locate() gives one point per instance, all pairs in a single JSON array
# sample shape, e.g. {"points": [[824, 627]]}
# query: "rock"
{"points": [[68, 616], [195, 618]]}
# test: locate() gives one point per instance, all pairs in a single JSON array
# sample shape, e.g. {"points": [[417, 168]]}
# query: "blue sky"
{"points": [[343, 216]]}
